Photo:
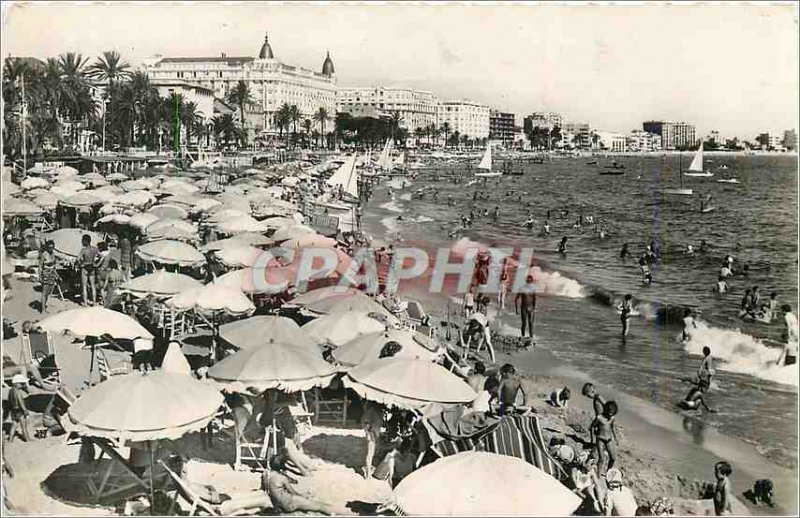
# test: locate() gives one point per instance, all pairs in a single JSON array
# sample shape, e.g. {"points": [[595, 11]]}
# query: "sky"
{"points": [[731, 68]]}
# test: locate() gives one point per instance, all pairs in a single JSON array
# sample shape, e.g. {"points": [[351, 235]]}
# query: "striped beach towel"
{"points": [[515, 436]]}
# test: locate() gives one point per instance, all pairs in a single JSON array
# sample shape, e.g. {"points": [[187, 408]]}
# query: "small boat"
{"points": [[486, 165], [488, 175], [696, 167], [728, 180], [680, 190], [705, 210], [592, 162], [612, 172]]}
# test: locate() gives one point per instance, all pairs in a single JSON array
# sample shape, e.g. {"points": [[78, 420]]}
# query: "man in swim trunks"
{"points": [[510, 386], [562, 246], [527, 301], [706, 370], [625, 313], [789, 354]]}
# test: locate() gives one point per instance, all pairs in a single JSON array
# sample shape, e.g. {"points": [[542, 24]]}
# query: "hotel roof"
{"points": [[218, 59]]}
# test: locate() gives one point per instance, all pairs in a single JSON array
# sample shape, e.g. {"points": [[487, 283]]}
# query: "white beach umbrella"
{"points": [[168, 251], [480, 483], [213, 298], [339, 328]]}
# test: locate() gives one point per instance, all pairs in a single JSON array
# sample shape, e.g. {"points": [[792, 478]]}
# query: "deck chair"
{"points": [[182, 490], [300, 414], [42, 353], [114, 482], [329, 409], [257, 451], [104, 368]]}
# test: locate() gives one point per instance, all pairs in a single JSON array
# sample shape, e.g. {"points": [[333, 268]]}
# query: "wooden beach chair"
{"points": [[119, 480], [329, 409], [183, 491], [300, 414], [104, 367], [258, 451], [41, 352]]}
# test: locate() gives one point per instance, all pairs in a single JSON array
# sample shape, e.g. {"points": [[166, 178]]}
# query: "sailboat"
{"points": [[681, 190], [385, 159], [486, 165], [696, 167], [346, 177]]}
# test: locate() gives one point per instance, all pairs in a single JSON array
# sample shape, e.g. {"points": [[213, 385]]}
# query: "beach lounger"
{"points": [[182, 490], [329, 409], [104, 367], [258, 451], [42, 353], [300, 414]]}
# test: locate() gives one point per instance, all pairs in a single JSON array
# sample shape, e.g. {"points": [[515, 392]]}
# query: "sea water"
{"points": [[755, 222]]}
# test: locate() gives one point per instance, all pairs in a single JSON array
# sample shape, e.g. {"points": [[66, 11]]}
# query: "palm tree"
{"points": [[456, 137], [307, 126], [109, 68], [282, 119], [294, 118], [419, 133], [446, 131], [322, 117], [394, 122], [239, 96]]}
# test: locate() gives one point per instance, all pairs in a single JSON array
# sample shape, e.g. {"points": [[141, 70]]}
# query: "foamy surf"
{"points": [[392, 206], [741, 353]]}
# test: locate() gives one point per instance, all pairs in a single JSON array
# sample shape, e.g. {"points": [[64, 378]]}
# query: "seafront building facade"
{"points": [[466, 117], [202, 97], [544, 120], [416, 108], [272, 83], [577, 134], [674, 135], [642, 141], [501, 126]]}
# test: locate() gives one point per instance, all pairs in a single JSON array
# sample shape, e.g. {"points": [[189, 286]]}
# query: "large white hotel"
{"points": [[273, 83]]}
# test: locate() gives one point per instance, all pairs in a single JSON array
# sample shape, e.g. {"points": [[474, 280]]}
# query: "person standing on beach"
{"points": [[126, 256], [18, 409], [789, 354], [525, 307], [48, 275], [706, 370], [86, 262], [598, 402], [604, 433], [625, 314], [372, 423], [722, 490]]}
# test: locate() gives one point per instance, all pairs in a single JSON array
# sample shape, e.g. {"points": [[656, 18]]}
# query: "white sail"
{"points": [[346, 177], [697, 162], [384, 161], [486, 161], [400, 160]]}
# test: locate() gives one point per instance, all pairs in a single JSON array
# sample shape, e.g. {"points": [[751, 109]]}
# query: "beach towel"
{"points": [[515, 436], [458, 423]]}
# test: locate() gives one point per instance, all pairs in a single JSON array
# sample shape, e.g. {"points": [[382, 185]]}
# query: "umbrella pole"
{"points": [[91, 365], [152, 491]]}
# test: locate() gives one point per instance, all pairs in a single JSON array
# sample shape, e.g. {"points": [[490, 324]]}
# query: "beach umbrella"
{"points": [[70, 185], [292, 231], [160, 283], [235, 189], [204, 205], [117, 177], [236, 240], [137, 198], [367, 347], [278, 222], [108, 208], [47, 200], [220, 214], [213, 298], [310, 297], [167, 251], [174, 361], [339, 328], [34, 183], [66, 171], [68, 241], [241, 224], [142, 220], [408, 383], [290, 181], [168, 212], [117, 219], [351, 301], [144, 407], [95, 321], [276, 191], [135, 185], [18, 207], [310, 241], [255, 331], [274, 364], [81, 200], [112, 189], [245, 280], [479, 483], [239, 256], [170, 228]]}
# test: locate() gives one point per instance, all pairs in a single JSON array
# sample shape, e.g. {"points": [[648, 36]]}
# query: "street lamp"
{"points": [[105, 109]]}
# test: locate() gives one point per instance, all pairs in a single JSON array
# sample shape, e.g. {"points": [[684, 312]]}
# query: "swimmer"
{"points": [[546, 228], [722, 286], [647, 276], [689, 323], [562, 246], [689, 250], [529, 223], [625, 253]]}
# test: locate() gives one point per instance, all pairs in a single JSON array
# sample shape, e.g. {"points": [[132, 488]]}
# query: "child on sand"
{"points": [[722, 490], [598, 402], [510, 387], [604, 435], [560, 398]]}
